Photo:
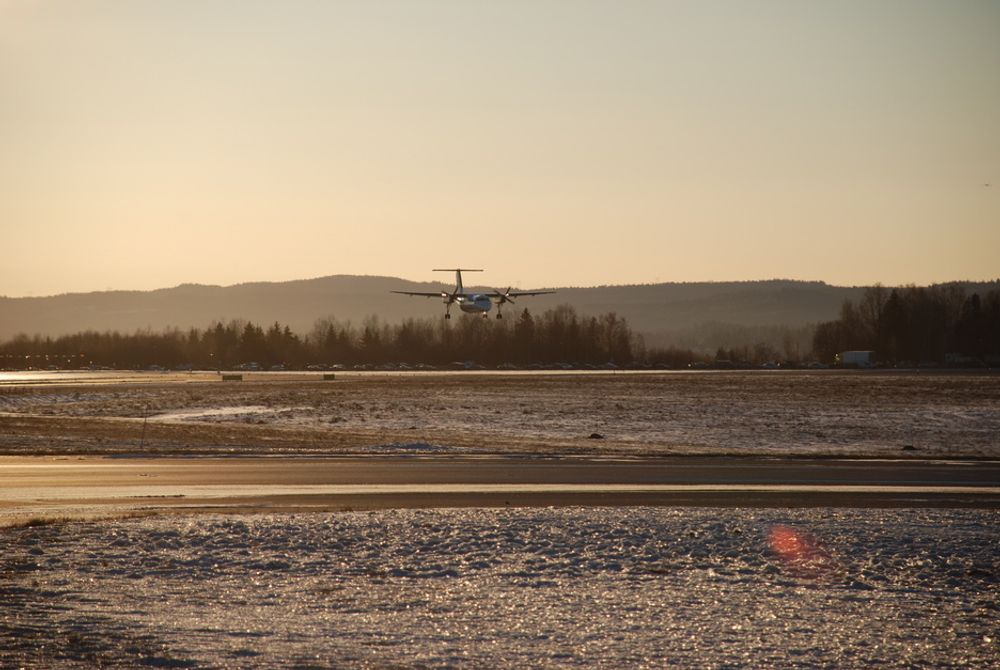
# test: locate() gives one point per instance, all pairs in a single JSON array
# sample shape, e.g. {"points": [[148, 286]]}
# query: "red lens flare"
{"points": [[801, 552]]}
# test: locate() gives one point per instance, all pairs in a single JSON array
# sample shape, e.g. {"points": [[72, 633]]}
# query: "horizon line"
{"points": [[563, 287]]}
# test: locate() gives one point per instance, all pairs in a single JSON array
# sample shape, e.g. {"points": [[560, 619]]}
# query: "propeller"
{"points": [[505, 296]]}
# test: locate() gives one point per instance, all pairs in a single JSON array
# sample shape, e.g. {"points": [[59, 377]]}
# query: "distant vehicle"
{"points": [[856, 359], [466, 365], [472, 303]]}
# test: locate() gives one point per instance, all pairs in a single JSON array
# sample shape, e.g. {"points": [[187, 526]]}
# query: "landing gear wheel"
{"points": [[447, 316], [499, 315]]}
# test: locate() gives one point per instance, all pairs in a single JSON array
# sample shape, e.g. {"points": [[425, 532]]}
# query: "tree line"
{"points": [[939, 324], [558, 335], [936, 324]]}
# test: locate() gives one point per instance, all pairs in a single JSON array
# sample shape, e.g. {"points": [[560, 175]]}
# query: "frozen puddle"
{"points": [[412, 448], [512, 588], [237, 413]]}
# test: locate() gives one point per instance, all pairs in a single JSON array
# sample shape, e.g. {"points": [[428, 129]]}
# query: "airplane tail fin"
{"points": [[458, 276]]}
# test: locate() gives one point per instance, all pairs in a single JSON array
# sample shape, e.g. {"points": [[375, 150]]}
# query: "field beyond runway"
{"points": [[32, 488], [815, 414]]}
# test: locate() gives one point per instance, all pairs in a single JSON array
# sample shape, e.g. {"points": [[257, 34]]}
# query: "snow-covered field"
{"points": [[766, 413], [570, 587]]}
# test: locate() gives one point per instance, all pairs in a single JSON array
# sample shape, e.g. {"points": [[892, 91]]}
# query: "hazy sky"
{"points": [[147, 144]]}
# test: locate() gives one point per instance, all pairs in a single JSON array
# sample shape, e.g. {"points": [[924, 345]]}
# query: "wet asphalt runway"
{"points": [[87, 485]]}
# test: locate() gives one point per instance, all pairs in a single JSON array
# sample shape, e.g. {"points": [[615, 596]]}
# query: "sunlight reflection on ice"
{"points": [[588, 587]]}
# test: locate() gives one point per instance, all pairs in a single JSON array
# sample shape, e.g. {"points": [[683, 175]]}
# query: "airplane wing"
{"points": [[518, 294], [439, 294]]}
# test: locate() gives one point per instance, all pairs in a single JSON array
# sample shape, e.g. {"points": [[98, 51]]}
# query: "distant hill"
{"points": [[664, 313]]}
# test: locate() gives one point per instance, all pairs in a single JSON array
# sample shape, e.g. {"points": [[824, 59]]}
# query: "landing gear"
{"points": [[447, 315], [499, 315]]}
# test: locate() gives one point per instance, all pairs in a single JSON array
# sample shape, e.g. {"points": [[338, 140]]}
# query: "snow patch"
{"points": [[411, 447], [221, 414]]}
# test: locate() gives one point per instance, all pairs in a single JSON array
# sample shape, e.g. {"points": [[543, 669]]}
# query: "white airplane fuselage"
{"points": [[474, 304]]}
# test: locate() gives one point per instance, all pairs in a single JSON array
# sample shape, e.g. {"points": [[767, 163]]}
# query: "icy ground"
{"points": [[581, 587]]}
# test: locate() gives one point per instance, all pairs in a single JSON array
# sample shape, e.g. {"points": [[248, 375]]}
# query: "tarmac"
{"points": [[33, 489]]}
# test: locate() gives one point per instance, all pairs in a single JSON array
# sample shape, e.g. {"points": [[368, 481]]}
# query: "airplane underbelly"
{"points": [[476, 306]]}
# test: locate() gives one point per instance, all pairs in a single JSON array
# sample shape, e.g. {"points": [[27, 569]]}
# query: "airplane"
{"points": [[472, 303]]}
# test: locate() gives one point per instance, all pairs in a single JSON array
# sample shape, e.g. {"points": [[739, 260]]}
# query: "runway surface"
{"points": [[90, 486]]}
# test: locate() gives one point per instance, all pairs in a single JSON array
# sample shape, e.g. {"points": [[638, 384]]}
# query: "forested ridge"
{"points": [[658, 311], [939, 325]]}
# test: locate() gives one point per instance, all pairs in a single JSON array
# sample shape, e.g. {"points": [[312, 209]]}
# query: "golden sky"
{"points": [[146, 144]]}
